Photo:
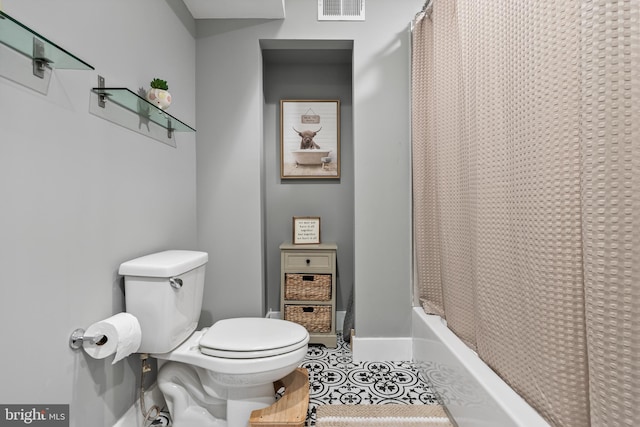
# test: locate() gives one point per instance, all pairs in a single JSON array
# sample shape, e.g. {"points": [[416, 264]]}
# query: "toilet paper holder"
{"points": [[78, 337]]}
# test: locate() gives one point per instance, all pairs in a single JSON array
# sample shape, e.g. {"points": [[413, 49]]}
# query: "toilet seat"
{"points": [[252, 337]]}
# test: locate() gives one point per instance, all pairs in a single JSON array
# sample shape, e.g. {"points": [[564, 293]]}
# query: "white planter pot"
{"points": [[159, 97]]}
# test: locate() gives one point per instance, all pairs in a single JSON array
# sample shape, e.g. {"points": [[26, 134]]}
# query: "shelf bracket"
{"points": [[40, 62], [169, 129], [102, 97]]}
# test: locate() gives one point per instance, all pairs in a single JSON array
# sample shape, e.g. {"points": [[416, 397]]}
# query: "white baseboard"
{"points": [[273, 314], [371, 349], [382, 349]]}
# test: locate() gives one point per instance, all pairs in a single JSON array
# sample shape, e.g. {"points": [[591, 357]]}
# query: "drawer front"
{"points": [[315, 318], [303, 260], [314, 287]]}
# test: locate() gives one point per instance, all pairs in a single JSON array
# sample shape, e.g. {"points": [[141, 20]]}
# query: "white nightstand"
{"points": [[308, 289]]}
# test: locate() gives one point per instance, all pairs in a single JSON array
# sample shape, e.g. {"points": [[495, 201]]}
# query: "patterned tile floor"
{"points": [[335, 379]]}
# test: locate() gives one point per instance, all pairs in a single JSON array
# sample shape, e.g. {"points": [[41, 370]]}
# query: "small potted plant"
{"points": [[158, 94]]}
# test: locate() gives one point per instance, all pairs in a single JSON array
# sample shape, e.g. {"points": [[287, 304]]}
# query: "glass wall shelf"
{"points": [[43, 53], [143, 108], [33, 45], [20, 38]]}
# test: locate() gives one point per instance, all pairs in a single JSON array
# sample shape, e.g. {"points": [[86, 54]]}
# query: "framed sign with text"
{"points": [[306, 230]]}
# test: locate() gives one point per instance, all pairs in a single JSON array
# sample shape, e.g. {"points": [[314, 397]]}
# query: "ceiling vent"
{"points": [[340, 10]]}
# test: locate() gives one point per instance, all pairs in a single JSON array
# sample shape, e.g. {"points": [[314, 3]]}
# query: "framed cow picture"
{"points": [[309, 139]]}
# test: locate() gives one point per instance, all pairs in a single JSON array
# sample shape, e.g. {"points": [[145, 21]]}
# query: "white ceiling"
{"points": [[236, 9]]}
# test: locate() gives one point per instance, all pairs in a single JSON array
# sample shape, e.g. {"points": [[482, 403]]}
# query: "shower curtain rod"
{"points": [[428, 5], [426, 11]]}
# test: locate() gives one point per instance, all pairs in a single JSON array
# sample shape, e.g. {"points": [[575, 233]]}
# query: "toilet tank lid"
{"points": [[164, 264]]}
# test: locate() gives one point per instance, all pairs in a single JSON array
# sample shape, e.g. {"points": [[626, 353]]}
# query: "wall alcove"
{"points": [[307, 70]]}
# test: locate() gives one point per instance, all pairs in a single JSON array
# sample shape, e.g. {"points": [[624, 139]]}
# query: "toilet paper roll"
{"points": [[123, 335]]}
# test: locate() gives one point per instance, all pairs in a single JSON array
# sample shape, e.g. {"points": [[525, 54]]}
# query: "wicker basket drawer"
{"points": [[316, 318], [313, 287]]}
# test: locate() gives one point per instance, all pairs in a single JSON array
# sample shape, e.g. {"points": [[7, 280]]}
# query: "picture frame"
{"points": [[306, 230], [309, 139]]}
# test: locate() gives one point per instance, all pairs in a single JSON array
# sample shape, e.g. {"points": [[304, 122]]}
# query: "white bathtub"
{"points": [[474, 395], [309, 156]]}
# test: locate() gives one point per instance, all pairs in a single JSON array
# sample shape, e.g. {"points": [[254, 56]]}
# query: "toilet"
{"points": [[217, 376]]}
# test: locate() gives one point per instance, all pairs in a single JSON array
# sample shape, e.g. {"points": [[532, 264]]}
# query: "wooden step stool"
{"points": [[291, 409]]}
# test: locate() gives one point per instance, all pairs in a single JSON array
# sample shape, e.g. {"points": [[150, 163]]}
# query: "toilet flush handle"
{"points": [[175, 282]]}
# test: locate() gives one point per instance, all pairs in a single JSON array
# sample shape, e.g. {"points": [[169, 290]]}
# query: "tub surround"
{"points": [[474, 395]]}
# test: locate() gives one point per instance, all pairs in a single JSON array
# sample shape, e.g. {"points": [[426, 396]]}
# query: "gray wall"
{"points": [[231, 175], [80, 195], [318, 74]]}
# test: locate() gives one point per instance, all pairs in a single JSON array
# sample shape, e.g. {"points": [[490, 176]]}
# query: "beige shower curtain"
{"points": [[526, 195]]}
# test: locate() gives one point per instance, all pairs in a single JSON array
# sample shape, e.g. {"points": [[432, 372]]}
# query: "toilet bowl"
{"points": [[233, 373], [216, 376]]}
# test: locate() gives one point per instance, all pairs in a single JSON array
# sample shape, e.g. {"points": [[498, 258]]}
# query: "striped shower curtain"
{"points": [[526, 185]]}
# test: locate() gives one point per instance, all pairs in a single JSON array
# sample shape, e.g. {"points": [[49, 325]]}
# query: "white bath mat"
{"points": [[382, 416]]}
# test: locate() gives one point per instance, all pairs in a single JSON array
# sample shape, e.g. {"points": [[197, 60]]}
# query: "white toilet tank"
{"points": [[164, 292]]}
